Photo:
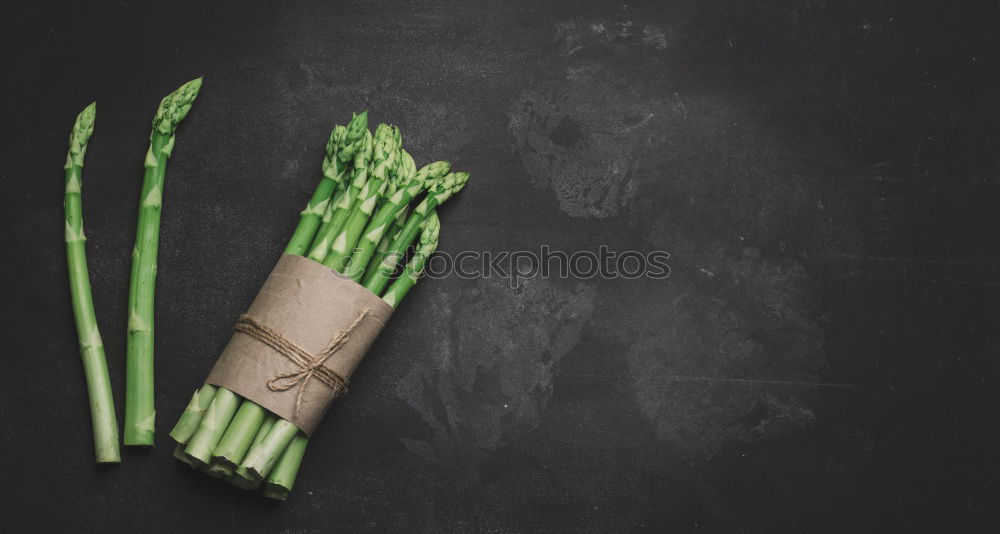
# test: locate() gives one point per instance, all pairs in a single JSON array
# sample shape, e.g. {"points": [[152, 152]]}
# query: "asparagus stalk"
{"points": [[191, 418], [238, 437], [261, 458], [375, 281], [140, 413], [342, 208], [340, 149], [179, 454], [241, 477], [95, 365], [282, 478]]}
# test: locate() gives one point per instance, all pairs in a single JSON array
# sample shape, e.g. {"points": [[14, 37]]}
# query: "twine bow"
{"points": [[310, 365]]}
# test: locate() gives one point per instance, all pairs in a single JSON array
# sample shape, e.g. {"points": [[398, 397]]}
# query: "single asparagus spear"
{"points": [[282, 477], [238, 437], [342, 208], [241, 477], [377, 227], [95, 365], [260, 459], [375, 281], [140, 413], [340, 149], [384, 162], [191, 418]]}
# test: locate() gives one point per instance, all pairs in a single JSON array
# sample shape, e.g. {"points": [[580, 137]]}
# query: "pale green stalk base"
{"points": [[191, 418], [220, 469], [243, 480], [241, 477], [262, 457], [282, 478], [213, 426], [179, 454], [241, 432], [277, 493]]}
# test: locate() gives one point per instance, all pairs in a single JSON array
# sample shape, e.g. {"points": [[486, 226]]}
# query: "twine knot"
{"points": [[310, 365]]}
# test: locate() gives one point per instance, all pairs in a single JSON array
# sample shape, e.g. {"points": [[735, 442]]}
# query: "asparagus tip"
{"points": [[83, 128], [175, 106]]}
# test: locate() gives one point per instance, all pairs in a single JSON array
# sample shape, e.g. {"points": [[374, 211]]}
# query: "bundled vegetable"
{"points": [[357, 228], [140, 413], [95, 365]]}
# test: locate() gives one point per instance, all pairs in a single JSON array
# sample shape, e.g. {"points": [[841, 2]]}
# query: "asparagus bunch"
{"points": [[140, 413], [95, 365], [360, 209]]}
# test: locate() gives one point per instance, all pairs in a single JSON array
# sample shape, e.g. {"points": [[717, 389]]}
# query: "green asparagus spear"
{"points": [[260, 459], [241, 477], [140, 413], [282, 478], [191, 418], [95, 365], [240, 433]]}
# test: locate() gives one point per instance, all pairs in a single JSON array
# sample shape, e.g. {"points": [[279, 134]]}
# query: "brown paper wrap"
{"points": [[309, 304]]}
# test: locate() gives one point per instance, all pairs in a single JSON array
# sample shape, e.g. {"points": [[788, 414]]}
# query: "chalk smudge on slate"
{"points": [[490, 376], [583, 133], [735, 358]]}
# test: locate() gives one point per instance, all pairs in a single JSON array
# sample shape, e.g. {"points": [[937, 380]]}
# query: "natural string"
{"points": [[310, 365]]}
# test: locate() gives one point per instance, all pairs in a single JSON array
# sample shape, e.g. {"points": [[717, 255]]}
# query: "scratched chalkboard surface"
{"points": [[825, 176]]}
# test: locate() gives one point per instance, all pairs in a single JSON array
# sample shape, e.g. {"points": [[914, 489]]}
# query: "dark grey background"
{"points": [[826, 176]]}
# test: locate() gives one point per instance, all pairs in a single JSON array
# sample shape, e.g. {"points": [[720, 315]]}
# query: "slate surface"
{"points": [[825, 176]]}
